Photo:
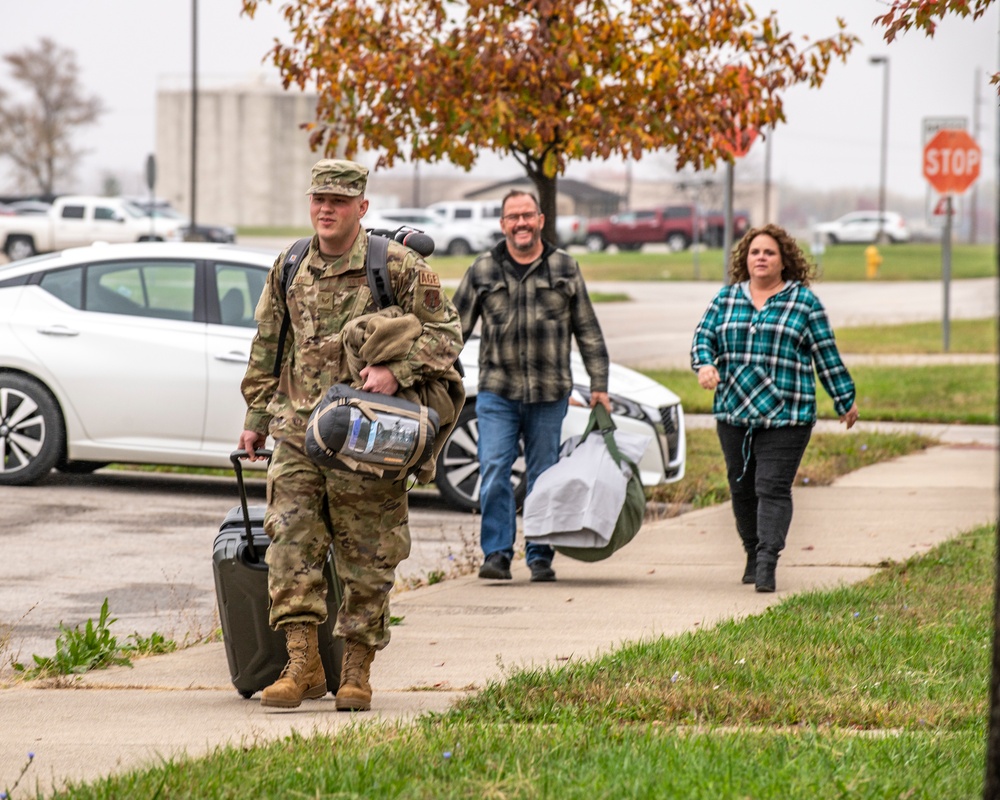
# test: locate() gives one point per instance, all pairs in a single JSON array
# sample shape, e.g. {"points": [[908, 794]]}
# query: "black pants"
{"points": [[761, 470]]}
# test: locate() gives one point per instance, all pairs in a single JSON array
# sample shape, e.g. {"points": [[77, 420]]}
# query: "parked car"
{"points": [[639, 405], [484, 215], [570, 228], [200, 232], [134, 354], [864, 227], [450, 238], [29, 206], [76, 220], [676, 226]]}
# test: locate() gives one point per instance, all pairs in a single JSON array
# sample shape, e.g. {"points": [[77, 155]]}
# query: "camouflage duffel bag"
{"points": [[368, 432]]}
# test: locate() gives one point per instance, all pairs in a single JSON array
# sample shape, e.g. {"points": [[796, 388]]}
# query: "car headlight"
{"points": [[580, 396]]}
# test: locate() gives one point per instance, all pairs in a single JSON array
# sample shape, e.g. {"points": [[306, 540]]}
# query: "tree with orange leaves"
{"points": [[546, 81], [924, 15]]}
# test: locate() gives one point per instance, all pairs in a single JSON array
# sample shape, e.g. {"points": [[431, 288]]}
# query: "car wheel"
{"points": [[19, 247], [458, 477], [459, 247], [677, 242], [595, 243], [831, 239], [32, 435]]}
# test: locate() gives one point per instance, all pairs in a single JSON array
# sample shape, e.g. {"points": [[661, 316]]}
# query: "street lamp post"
{"points": [[884, 61], [767, 176], [194, 114]]}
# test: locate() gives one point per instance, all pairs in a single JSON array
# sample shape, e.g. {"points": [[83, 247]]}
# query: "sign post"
{"points": [[952, 161], [151, 185]]}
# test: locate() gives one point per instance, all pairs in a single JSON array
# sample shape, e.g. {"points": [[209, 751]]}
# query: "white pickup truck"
{"points": [[73, 221], [570, 228]]}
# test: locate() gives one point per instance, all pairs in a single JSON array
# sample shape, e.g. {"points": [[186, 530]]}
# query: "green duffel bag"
{"points": [[573, 504]]}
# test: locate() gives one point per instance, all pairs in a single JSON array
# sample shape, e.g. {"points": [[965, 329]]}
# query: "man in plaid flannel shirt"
{"points": [[531, 300]]}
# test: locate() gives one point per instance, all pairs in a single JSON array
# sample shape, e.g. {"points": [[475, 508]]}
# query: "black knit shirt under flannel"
{"points": [[528, 318]]}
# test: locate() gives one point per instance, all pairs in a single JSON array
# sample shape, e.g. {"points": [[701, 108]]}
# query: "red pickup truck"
{"points": [[670, 225]]}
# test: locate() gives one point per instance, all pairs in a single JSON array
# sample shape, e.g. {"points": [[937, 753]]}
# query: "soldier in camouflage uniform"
{"points": [[368, 514]]}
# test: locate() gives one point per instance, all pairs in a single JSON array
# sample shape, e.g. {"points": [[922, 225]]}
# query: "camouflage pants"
{"points": [[368, 518]]}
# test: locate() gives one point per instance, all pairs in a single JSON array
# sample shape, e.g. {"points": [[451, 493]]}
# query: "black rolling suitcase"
{"points": [[255, 652]]}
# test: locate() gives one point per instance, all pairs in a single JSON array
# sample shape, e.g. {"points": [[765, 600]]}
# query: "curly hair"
{"points": [[794, 265]]}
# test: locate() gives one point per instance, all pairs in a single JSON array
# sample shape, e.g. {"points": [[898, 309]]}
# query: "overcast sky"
{"points": [[126, 49]]}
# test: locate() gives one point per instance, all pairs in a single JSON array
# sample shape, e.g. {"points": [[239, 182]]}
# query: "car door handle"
{"points": [[58, 330], [233, 356]]}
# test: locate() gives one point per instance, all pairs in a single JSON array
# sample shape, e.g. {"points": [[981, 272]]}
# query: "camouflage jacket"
{"points": [[321, 300]]}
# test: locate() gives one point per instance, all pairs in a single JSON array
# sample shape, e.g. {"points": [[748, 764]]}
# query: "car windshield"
{"points": [[133, 210]]}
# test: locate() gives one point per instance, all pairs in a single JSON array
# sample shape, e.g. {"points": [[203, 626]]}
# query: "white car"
{"points": [[134, 353], [450, 238], [863, 227], [639, 405]]}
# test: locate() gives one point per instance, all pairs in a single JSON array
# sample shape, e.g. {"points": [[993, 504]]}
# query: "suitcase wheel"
{"points": [[245, 694]]}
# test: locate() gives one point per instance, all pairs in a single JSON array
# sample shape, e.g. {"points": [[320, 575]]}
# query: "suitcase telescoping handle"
{"points": [[236, 456]]}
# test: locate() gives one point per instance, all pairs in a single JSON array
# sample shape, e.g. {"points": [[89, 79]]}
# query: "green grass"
{"points": [[909, 262], [875, 690], [828, 456], [964, 336], [80, 650], [949, 393]]}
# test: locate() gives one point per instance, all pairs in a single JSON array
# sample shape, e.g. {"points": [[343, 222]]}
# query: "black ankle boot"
{"points": [[765, 576], [750, 573]]}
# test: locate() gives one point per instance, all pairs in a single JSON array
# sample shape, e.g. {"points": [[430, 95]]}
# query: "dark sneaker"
{"points": [[540, 571], [496, 567]]}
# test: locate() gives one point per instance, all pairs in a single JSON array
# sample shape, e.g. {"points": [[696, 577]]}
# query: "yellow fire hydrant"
{"points": [[872, 261]]}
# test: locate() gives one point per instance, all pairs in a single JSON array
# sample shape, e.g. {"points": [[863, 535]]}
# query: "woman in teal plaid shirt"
{"points": [[759, 346]]}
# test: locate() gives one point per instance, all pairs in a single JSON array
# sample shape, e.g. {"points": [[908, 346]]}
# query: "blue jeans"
{"points": [[760, 482], [503, 424]]}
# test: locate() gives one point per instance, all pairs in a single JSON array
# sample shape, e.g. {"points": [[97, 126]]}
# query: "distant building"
{"points": [[253, 158], [572, 196], [254, 161]]}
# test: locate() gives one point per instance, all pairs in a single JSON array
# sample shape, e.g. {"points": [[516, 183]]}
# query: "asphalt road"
{"points": [[144, 542]]}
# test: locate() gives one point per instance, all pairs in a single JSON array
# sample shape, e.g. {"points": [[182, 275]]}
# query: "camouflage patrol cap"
{"points": [[334, 176]]}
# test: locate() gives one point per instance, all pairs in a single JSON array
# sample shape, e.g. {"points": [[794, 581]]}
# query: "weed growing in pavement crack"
{"points": [[93, 647]]}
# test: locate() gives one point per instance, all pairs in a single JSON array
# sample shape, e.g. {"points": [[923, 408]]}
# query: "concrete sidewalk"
{"points": [[678, 575]]}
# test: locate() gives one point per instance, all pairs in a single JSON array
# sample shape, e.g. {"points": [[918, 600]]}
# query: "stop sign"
{"points": [[951, 161]]}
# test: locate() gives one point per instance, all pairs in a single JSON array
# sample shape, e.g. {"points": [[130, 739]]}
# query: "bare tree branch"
{"points": [[36, 133]]}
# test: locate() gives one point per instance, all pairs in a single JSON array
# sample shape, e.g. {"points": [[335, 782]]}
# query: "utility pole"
{"points": [[194, 113], [976, 127], [884, 61], [727, 226]]}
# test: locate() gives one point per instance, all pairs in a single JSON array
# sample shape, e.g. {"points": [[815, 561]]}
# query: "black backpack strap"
{"points": [[288, 269], [377, 268]]}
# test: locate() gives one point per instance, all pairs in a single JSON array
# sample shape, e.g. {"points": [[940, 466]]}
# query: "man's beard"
{"points": [[528, 245]]}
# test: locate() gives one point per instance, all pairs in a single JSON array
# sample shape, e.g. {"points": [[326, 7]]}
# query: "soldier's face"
{"points": [[336, 219]]}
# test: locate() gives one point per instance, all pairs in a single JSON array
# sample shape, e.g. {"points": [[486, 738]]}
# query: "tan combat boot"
{"points": [[303, 676], [355, 692]]}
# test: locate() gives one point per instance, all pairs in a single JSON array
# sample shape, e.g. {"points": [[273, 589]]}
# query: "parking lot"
{"points": [[144, 541]]}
